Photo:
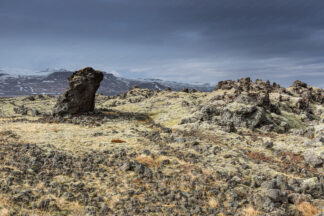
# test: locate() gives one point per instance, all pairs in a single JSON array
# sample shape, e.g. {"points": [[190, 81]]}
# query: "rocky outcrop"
{"points": [[225, 85], [246, 85], [231, 116], [227, 159], [308, 94], [80, 95], [259, 104], [21, 110]]}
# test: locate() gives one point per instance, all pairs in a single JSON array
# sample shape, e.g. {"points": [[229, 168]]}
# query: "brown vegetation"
{"points": [[117, 141], [307, 209], [259, 156], [250, 211]]}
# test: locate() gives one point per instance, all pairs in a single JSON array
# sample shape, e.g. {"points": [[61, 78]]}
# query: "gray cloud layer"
{"points": [[185, 40]]}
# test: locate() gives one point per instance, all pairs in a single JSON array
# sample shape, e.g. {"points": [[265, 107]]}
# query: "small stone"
{"points": [[216, 150], [273, 194], [309, 183], [104, 210], [236, 179], [268, 144], [268, 184], [186, 90], [195, 143], [312, 159], [146, 152], [35, 112], [185, 103], [21, 110], [322, 155], [295, 198], [139, 168], [126, 166], [230, 128], [44, 204], [165, 162], [90, 211], [321, 139]]}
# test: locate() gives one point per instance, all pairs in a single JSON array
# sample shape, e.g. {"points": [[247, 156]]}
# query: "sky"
{"points": [[180, 40]]}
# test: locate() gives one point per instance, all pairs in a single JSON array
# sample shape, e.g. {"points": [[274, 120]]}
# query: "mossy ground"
{"points": [[172, 154]]}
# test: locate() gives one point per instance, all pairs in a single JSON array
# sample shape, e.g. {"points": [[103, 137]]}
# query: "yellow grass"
{"points": [[250, 211], [4, 205], [4, 212], [213, 203], [4, 201], [307, 209], [74, 207], [148, 160]]}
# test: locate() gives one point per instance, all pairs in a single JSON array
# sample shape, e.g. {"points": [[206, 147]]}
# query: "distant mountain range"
{"points": [[56, 82]]}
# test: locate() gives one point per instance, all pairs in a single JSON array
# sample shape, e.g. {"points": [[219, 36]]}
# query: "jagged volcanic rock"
{"points": [[80, 95], [246, 84], [244, 103], [252, 149]]}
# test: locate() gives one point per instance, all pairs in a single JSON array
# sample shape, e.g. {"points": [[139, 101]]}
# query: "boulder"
{"points": [[242, 116], [245, 83], [80, 94], [225, 85], [185, 90], [299, 84], [312, 158]]}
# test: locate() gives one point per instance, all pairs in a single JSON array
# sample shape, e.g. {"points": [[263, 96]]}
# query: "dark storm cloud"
{"points": [[280, 40]]}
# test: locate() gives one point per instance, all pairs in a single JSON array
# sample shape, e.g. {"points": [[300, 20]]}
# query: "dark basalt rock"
{"points": [[299, 84], [21, 110], [225, 85], [80, 95], [250, 117], [185, 90], [246, 85]]}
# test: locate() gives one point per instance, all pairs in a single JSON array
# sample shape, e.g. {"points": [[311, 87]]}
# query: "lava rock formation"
{"points": [[80, 95]]}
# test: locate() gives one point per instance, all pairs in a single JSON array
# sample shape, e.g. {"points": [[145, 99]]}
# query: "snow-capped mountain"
{"points": [[55, 82], [177, 86]]}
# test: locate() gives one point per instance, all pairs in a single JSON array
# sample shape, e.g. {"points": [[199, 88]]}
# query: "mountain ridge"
{"points": [[56, 82]]}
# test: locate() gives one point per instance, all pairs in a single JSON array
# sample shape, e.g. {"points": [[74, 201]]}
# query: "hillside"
{"points": [[246, 148]]}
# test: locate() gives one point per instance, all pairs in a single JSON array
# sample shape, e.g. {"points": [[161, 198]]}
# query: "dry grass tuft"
{"points": [[4, 201], [250, 211], [117, 141], [75, 207], [148, 160], [5, 206], [55, 129], [210, 137], [4, 212], [293, 158], [307, 209], [213, 203], [259, 156]]}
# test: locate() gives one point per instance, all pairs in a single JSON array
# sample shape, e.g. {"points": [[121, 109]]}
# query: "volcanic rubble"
{"points": [[247, 148]]}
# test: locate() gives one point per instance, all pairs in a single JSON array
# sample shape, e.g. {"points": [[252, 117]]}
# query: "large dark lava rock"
{"points": [[80, 95]]}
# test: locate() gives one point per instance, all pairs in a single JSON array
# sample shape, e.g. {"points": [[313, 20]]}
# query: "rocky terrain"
{"points": [[246, 148]]}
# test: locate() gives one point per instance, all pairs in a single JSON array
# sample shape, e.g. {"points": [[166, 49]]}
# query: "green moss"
{"points": [[285, 107], [173, 122], [292, 120]]}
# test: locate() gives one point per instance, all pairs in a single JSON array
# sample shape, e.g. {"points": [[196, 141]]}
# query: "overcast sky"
{"points": [[181, 40]]}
